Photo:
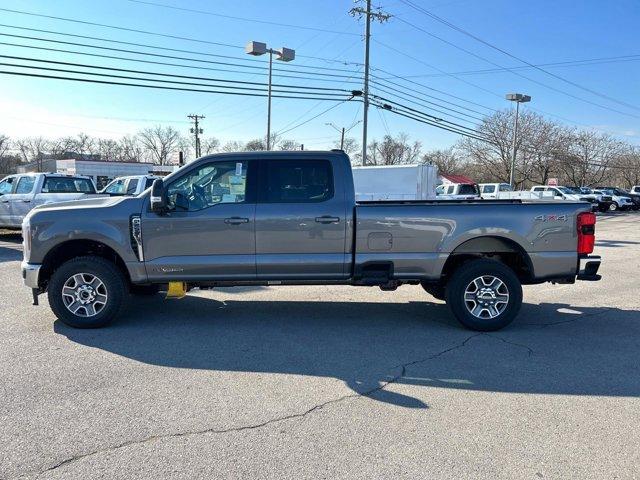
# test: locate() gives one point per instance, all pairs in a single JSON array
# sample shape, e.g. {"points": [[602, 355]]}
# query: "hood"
{"points": [[124, 206], [82, 203]]}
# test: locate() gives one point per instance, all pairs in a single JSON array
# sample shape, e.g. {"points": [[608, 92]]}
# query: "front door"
{"points": [[6, 187], [208, 232], [21, 201], [301, 221]]}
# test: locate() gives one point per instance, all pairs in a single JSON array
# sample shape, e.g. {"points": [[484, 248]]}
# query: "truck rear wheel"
{"points": [[87, 292], [484, 295]]}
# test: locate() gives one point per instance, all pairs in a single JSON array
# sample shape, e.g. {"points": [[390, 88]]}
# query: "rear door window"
{"points": [[488, 189], [133, 185], [298, 181], [25, 184]]}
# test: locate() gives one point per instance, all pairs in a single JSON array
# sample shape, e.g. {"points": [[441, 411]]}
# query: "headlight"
{"points": [[26, 239]]}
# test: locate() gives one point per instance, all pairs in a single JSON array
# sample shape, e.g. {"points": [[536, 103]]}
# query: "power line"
{"points": [[412, 98], [244, 19], [148, 32], [105, 82], [195, 67], [313, 118], [158, 55], [208, 79], [157, 47], [176, 82], [490, 45], [516, 73], [566, 63], [413, 111]]}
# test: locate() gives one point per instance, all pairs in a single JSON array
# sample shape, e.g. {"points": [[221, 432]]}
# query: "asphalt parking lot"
{"points": [[328, 382]]}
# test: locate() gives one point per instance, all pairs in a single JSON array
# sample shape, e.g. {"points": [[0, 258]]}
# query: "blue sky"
{"points": [[539, 31]]}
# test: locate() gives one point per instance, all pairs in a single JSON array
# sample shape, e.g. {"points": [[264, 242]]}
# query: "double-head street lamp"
{"points": [[284, 55], [518, 98]]}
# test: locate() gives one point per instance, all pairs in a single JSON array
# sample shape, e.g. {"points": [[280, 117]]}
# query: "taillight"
{"points": [[586, 232]]}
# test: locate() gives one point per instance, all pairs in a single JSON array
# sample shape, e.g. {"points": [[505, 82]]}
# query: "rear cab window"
{"points": [[291, 181], [67, 185], [488, 188]]}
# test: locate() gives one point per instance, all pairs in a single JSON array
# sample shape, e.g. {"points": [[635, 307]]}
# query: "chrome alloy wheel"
{"points": [[84, 295], [486, 297]]}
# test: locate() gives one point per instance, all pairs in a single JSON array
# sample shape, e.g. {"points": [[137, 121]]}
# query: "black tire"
{"points": [[114, 288], [463, 278], [146, 290], [434, 289]]}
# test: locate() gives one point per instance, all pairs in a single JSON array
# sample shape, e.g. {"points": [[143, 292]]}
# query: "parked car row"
{"points": [[20, 193]]}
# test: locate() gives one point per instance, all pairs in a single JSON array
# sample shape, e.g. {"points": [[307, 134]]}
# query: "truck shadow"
{"points": [[550, 348], [10, 246]]}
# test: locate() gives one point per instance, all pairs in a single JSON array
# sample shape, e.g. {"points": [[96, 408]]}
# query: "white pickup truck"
{"points": [[130, 186], [21, 192]]}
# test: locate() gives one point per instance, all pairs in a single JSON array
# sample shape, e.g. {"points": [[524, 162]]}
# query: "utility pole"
{"points": [[381, 17], [196, 130], [342, 131]]}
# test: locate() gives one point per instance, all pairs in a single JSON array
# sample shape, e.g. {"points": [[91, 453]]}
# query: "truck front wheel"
{"points": [[484, 295], [87, 292]]}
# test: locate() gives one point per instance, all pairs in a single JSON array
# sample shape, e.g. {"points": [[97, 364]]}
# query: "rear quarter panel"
{"points": [[422, 236]]}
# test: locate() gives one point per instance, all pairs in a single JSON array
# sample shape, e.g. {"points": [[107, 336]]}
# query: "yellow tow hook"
{"points": [[176, 290]]}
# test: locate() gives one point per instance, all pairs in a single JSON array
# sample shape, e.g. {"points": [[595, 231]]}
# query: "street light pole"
{"points": [[518, 98], [283, 54], [269, 101]]}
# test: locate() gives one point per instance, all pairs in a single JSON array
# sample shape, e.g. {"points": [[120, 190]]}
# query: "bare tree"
{"points": [[161, 142], [210, 145], [588, 156], [233, 146], [32, 149], [447, 161], [108, 149], [131, 149], [289, 145], [255, 145], [8, 162], [350, 146], [627, 168], [394, 151]]}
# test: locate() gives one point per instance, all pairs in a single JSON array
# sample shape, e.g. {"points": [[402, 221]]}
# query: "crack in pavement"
{"points": [[284, 418]]}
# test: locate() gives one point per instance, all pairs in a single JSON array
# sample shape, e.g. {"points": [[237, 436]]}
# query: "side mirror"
{"points": [[158, 198]]}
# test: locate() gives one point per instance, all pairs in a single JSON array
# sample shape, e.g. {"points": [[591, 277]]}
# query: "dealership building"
{"points": [[101, 171]]}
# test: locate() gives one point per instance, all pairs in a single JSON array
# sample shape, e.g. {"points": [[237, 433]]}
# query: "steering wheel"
{"points": [[197, 196]]}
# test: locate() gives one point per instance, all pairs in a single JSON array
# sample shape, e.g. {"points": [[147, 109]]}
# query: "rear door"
{"points": [[208, 232], [301, 221]]}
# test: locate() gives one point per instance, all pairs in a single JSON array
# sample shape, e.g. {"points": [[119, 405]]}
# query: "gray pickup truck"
{"points": [[290, 218]]}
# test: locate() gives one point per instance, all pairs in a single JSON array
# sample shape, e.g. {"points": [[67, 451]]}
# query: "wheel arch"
{"points": [[70, 249], [502, 249]]}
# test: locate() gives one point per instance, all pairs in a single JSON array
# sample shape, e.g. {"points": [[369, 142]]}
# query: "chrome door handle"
{"points": [[327, 219], [236, 220]]}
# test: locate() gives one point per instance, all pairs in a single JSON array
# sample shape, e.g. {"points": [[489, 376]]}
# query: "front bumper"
{"points": [[588, 268], [30, 274]]}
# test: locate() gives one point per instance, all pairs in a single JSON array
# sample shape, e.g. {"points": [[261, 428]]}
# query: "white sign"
{"points": [[553, 182]]}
